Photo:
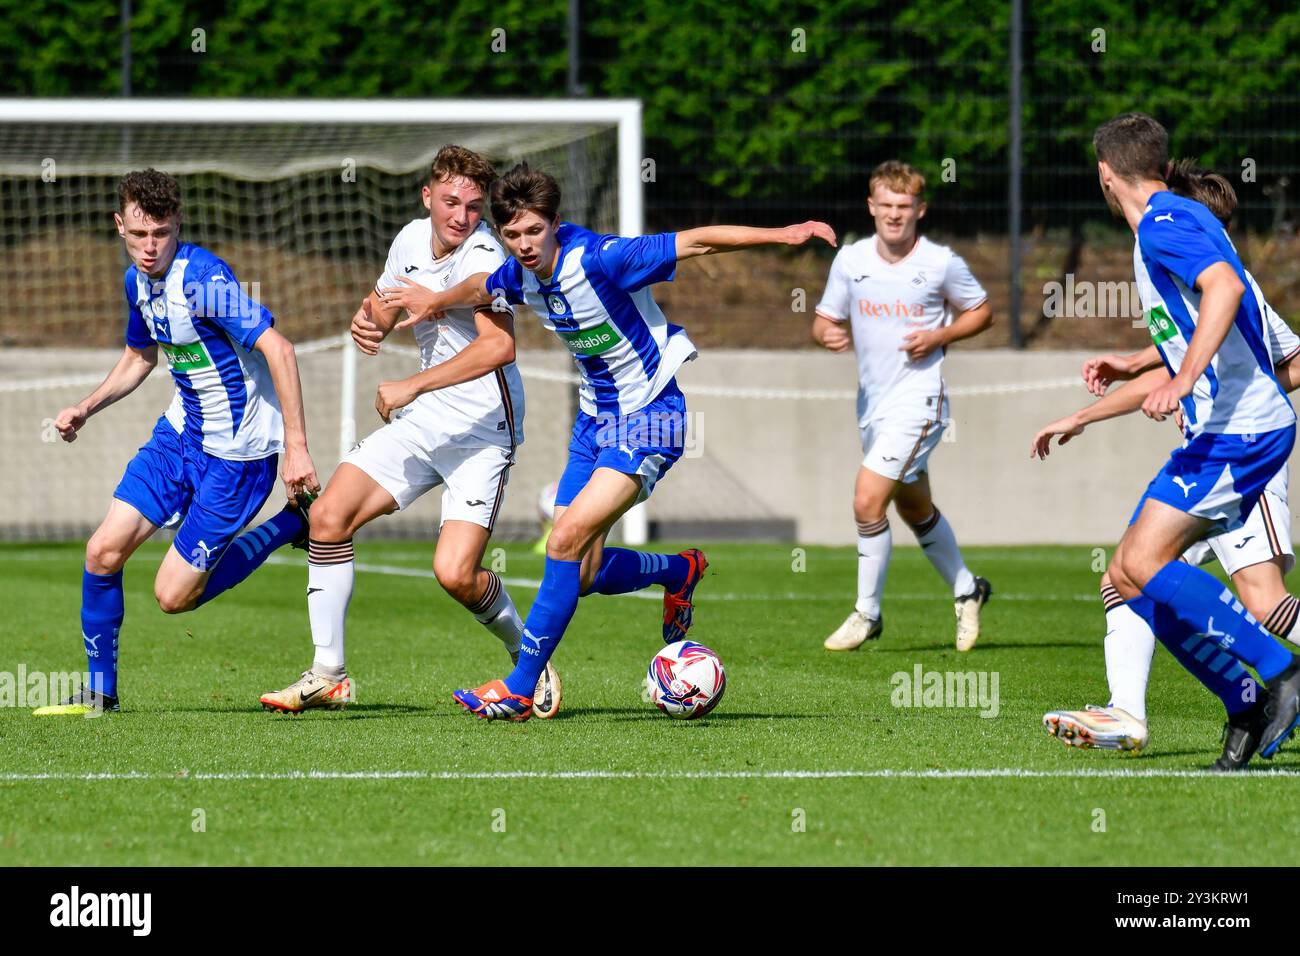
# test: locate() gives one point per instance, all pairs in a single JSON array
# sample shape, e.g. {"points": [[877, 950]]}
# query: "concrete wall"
{"points": [[781, 462]]}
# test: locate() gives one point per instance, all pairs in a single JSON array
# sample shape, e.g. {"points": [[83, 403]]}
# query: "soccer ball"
{"points": [[685, 680]]}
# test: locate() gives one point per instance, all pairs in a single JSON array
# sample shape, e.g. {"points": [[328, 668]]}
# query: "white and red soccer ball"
{"points": [[686, 680]]}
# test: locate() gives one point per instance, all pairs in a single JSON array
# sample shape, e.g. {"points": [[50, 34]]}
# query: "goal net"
{"points": [[302, 198]]}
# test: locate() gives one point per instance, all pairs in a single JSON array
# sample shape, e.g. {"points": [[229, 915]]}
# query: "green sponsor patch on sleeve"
{"points": [[186, 358], [596, 340], [1160, 325]]}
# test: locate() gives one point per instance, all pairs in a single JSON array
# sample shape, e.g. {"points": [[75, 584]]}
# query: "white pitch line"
{"points": [[452, 775]]}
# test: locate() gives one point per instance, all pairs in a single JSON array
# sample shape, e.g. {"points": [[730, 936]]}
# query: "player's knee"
{"points": [[103, 558], [457, 580], [565, 542], [173, 602], [1135, 571], [868, 509], [329, 520]]}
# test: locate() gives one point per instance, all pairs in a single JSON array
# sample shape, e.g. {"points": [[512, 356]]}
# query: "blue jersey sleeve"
{"points": [[634, 263], [137, 332], [1179, 244], [508, 281], [215, 295]]}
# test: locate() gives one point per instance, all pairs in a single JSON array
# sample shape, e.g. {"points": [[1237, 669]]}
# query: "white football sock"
{"points": [[940, 546], [495, 611], [1130, 645], [330, 573], [875, 542]]}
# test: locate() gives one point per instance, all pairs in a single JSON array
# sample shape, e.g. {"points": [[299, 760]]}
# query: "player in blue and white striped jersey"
{"points": [[1241, 429], [210, 464], [593, 292]]}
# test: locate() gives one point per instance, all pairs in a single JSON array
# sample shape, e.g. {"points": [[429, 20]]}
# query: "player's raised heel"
{"points": [[311, 691], [546, 699], [84, 703], [678, 609], [493, 701], [1106, 728], [968, 608], [856, 630]]}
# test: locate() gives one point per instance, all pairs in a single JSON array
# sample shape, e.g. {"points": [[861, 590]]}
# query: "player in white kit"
{"points": [[899, 300], [456, 423]]}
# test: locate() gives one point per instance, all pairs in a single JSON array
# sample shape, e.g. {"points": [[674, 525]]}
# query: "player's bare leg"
{"points": [[350, 500], [118, 537], [914, 504], [458, 565], [871, 496]]}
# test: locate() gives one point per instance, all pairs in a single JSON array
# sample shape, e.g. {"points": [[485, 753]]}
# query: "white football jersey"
{"points": [[489, 408], [884, 302]]}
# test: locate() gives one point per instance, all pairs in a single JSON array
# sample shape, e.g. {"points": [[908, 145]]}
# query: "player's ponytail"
{"points": [[1209, 189]]}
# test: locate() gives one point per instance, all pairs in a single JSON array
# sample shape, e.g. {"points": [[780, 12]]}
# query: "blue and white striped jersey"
{"points": [[206, 326], [1238, 393], [598, 302]]}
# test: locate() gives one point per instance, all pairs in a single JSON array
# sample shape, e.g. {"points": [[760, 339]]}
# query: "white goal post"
{"points": [[278, 140]]}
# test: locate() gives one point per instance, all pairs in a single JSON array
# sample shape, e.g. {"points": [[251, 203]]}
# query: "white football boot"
{"points": [[1107, 728], [310, 691], [856, 630], [968, 614]]}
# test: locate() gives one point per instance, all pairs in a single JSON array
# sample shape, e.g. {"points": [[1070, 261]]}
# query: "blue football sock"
{"points": [[1220, 672], [247, 552], [101, 622], [623, 570], [550, 614], [1210, 609]]}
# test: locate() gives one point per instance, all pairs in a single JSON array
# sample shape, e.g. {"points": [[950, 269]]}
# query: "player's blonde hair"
{"points": [[899, 177]]}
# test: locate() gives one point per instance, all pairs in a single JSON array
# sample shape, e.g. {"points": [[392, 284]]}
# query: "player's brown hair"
{"points": [[157, 194], [1134, 145], [457, 162], [525, 189], [898, 177], [1209, 189]]}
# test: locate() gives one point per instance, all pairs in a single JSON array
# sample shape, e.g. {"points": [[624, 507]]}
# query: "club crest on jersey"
{"points": [[556, 305]]}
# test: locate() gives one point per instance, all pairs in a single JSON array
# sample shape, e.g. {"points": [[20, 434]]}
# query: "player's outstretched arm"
{"points": [[131, 369], [1123, 401], [1101, 372], [1221, 292], [493, 348], [296, 468], [707, 240], [423, 304]]}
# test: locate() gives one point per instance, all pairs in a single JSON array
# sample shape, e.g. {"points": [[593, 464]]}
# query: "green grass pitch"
{"points": [[806, 761]]}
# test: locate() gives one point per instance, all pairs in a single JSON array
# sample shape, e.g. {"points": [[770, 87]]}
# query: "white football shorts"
{"points": [[407, 458], [1265, 536], [899, 448]]}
